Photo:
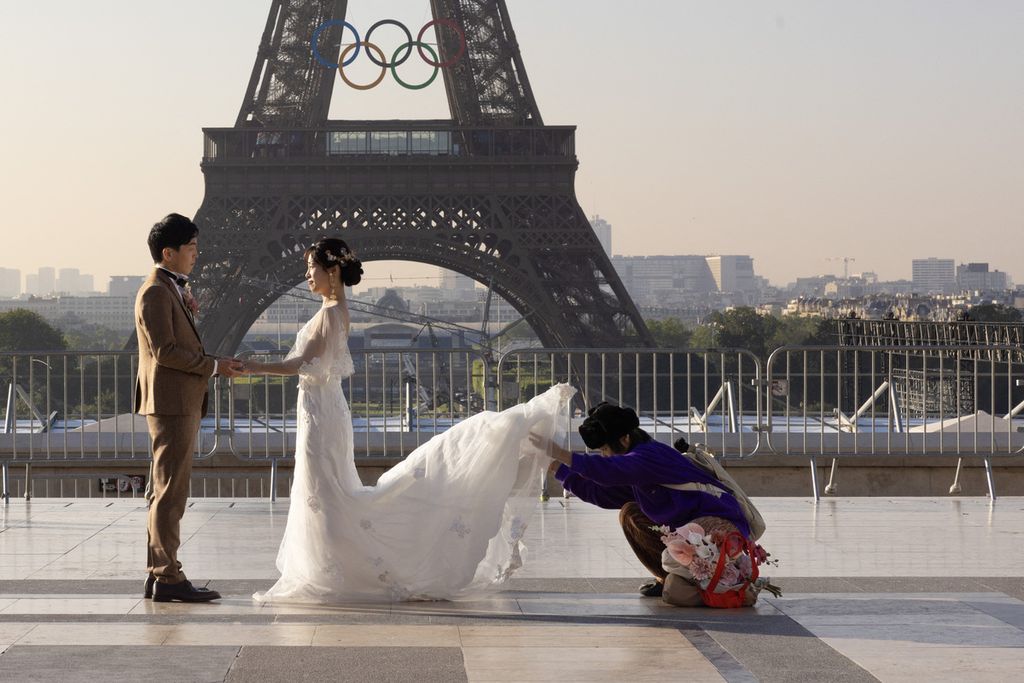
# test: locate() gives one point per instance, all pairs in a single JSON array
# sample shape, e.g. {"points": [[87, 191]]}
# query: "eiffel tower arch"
{"points": [[489, 193]]}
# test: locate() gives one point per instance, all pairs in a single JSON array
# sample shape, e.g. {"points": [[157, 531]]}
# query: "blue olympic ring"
{"points": [[314, 43]]}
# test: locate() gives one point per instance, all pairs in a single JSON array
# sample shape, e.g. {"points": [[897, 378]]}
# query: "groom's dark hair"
{"points": [[173, 231]]}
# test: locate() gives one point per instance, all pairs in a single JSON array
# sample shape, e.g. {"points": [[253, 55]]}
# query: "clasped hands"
{"points": [[233, 367]]}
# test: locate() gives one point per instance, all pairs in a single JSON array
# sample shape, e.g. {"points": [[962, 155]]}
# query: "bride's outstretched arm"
{"points": [[284, 367], [314, 348]]}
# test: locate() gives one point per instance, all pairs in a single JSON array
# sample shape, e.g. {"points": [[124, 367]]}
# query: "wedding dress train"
{"points": [[444, 523]]}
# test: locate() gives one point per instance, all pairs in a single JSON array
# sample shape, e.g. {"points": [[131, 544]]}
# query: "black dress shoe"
{"points": [[147, 592], [184, 592], [652, 589]]}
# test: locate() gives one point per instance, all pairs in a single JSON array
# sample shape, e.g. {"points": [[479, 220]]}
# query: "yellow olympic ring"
{"points": [[369, 46]]}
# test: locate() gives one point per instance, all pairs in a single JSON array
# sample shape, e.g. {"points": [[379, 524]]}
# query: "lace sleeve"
{"points": [[323, 346]]}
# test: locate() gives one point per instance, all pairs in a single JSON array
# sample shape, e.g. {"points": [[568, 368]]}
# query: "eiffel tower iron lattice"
{"points": [[489, 194]]}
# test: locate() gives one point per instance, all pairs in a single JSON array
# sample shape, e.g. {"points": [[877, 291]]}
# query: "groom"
{"points": [[171, 392]]}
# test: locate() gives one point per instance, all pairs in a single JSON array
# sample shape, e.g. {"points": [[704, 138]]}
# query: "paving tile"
{"points": [[587, 664], [96, 634], [898, 662], [348, 664], [531, 635], [386, 636], [588, 605], [70, 606], [240, 634], [1011, 613], [12, 633], [131, 664]]}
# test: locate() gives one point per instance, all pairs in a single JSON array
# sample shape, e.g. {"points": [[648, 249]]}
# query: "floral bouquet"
{"points": [[723, 565]]}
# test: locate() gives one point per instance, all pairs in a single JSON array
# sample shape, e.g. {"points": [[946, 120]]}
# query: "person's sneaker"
{"points": [[652, 589]]}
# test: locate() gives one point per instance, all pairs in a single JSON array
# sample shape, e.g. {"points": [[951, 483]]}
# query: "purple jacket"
{"points": [[611, 482]]}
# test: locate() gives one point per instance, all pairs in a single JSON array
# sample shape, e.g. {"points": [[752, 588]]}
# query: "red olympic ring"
{"points": [[458, 31]]}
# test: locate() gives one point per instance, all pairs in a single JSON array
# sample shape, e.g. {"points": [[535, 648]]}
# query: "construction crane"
{"points": [[846, 264]]}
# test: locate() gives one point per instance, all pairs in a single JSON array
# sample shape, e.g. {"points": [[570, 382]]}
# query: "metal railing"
{"points": [[895, 400], [410, 140], [706, 395], [75, 408]]}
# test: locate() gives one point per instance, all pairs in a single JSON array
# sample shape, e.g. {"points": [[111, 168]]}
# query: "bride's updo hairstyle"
{"points": [[330, 252]]}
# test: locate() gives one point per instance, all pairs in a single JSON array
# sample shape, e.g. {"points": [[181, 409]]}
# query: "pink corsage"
{"points": [[190, 301]]}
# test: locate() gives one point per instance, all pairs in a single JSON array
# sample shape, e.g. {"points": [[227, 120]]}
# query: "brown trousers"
{"points": [[644, 541], [173, 441]]}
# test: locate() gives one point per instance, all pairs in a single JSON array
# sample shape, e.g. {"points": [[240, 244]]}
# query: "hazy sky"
{"points": [[880, 130]]}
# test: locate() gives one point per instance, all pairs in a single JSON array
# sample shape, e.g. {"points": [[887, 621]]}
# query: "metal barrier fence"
{"points": [[811, 401], [895, 400], [704, 395]]}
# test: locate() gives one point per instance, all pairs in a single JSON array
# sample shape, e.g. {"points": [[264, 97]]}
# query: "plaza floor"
{"points": [[901, 589]]}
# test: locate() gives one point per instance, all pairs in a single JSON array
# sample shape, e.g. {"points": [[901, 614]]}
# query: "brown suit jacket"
{"points": [[174, 370]]}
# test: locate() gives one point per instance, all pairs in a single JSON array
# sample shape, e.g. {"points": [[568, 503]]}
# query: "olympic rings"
{"points": [[369, 46], [394, 67], [377, 56], [407, 46]]}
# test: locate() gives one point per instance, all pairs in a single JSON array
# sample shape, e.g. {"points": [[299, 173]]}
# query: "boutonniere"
{"points": [[190, 301]]}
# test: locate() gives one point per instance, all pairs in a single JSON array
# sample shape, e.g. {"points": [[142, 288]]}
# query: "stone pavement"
{"points": [[903, 589]]}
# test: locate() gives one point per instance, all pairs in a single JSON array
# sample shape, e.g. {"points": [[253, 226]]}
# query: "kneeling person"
{"points": [[631, 475]]}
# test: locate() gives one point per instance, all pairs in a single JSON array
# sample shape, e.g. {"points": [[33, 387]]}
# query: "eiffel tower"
{"points": [[489, 193]]}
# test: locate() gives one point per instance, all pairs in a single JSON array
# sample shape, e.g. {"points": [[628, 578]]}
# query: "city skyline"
{"points": [[14, 282], [776, 130]]}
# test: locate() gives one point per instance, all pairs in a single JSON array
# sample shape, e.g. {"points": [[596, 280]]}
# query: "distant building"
{"points": [[10, 283], [934, 275], [976, 277], [72, 282], [41, 283], [456, 283], [657, 280], [115, 313], [848, 288], [125, 285], [733, 273], [47, 282], [603, 230]]}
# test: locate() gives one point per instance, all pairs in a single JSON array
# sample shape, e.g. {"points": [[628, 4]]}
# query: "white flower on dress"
{"points": [[366, 524], [517, 527], [459, 527], [313, 504]]}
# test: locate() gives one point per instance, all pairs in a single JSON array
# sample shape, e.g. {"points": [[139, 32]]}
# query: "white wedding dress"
{"points": [[445, 523]]}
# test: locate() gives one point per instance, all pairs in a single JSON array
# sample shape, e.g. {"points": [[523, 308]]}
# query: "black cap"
{"points": [[607, 423]]}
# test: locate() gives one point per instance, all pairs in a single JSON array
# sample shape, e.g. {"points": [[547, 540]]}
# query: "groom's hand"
{"points": [[230, 367]]}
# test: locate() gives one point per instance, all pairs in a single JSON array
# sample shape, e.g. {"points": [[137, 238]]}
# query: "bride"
{"points": [[444, 523]]}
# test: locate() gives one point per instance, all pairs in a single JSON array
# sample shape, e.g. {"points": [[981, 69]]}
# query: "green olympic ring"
{"points": [[394, 65]]}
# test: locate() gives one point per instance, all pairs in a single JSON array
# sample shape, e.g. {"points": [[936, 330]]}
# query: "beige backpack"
{"points": [[703, 458]]}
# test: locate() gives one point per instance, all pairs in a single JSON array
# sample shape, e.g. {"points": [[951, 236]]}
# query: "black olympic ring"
{"points": [[407, 44]]}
